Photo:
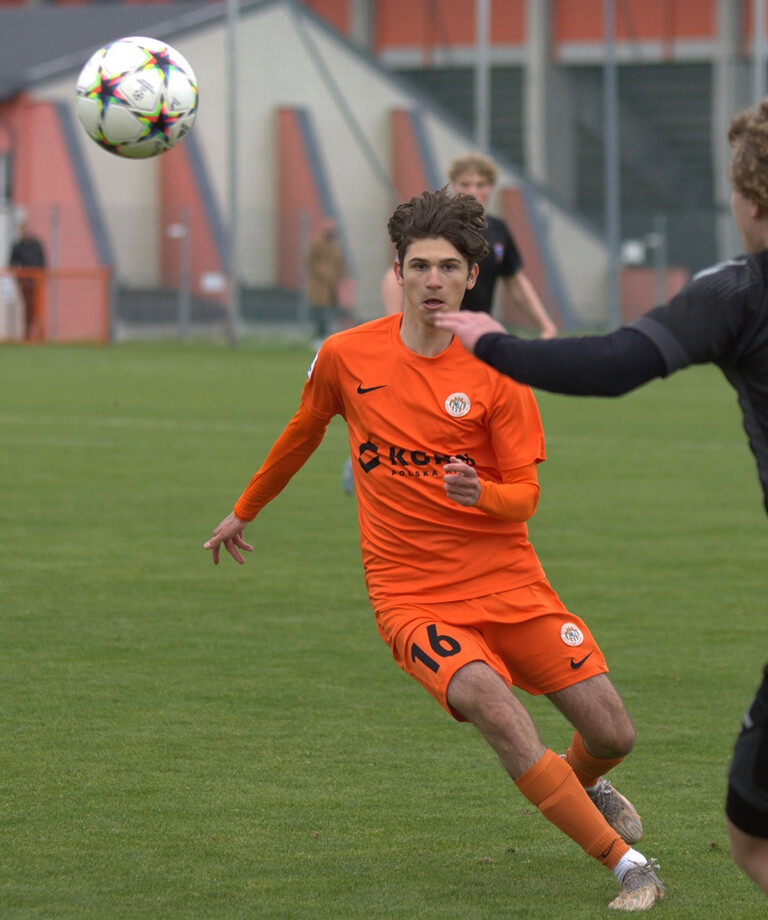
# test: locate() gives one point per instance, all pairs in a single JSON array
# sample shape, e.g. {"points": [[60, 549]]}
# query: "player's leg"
{"points": [[746, 806], [454, 664], [550, 650], [479, 694], [482, 697], [598, 714], [750, 854], [604, 736]]}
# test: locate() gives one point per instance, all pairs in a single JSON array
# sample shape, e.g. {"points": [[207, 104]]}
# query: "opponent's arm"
{"points": [[290, 452], [604, 365], [514, 499]]}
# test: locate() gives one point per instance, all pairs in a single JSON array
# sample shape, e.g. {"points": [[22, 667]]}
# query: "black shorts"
{"points": [[747, 802]]}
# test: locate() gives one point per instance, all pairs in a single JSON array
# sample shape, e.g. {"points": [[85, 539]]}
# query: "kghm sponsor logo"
{"points": [[402, 461]]}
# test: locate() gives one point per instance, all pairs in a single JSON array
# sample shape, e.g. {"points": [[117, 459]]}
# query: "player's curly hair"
{"points": [[748, 136], [456, 218]]}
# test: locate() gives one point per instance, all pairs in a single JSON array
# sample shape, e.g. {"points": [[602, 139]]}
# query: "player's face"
{"points": [[434, 276], [473, 183]]}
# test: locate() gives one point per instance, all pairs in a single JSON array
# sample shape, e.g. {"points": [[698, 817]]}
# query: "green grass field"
{"points": [[182, 742]]}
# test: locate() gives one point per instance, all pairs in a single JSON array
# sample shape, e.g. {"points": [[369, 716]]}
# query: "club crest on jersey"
{"points": [[571, 634], [457, 404]]}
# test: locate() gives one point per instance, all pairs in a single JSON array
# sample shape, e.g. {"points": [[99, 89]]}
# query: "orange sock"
{"points": [[589, 769], [551, 785]]}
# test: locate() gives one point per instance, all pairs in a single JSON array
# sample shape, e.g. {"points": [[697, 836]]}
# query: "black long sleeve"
{"points": [[605, 365]]}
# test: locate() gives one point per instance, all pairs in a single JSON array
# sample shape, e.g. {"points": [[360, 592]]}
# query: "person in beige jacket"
{"points": [[326, 268]]}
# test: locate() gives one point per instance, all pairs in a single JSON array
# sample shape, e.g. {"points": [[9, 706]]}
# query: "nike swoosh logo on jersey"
{"points": [[577, 664], [361, 389]]}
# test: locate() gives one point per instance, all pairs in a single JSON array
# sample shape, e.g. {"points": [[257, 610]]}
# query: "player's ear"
{"points": [[472, 277], [398, 272]]}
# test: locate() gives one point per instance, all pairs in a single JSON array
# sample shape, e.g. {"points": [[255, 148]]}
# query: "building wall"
{"points": [[288, 60]]}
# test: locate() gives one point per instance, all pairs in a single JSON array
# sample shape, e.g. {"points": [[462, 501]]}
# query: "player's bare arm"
{"points": [[230, 534], [527, 300], [468, 326]]}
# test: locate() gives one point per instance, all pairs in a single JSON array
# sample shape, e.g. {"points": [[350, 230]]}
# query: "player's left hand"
{"points": [[461, 482], [230, 533]]}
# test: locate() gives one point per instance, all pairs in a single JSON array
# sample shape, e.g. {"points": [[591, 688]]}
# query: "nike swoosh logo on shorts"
{"points": [[577, 664], [361, 389]]}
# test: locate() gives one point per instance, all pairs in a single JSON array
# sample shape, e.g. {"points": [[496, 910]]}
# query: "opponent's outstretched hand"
{"points": [[230, 533], [468, 326]]}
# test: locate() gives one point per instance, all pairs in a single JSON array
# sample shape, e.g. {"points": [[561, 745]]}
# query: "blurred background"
{"points": [[607, 119]]}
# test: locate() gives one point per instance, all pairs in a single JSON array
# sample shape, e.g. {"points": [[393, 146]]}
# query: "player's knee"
{"points": [[626, 736], [616, 740]]}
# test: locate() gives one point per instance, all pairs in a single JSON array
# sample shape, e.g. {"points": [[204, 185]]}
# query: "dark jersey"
{"points": [[722, 317], [502, 261], [27, 252]]}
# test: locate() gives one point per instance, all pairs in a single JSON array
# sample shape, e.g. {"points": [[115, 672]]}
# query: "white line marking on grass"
{"points": [[558, 442], [73, 421]]}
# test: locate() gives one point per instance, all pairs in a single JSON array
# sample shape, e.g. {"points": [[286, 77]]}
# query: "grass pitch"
{"points": [[180, 741]]}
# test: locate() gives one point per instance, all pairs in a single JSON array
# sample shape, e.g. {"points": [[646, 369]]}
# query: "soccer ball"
{"points": [[136, 97]]}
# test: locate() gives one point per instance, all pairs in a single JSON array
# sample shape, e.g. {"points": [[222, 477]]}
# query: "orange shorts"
{"points": [[526, 635]]}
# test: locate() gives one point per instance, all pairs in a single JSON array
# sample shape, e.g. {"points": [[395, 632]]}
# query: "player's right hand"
{"points": [[230, 533], [468, 326]]}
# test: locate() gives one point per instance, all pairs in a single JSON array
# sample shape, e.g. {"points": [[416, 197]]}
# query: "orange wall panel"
{"points": [[75, 306], [638, 289], [74, 290], [578, 20], [299, 207], [748, 21], [640, 20], [515, 215], [409, 175], [508, 23], [336, 12], [46, 186], [425, 24], [180, 203]]}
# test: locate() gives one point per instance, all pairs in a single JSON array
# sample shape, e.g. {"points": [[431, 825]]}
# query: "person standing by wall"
{"points": [[28, 253], [326, 267]]}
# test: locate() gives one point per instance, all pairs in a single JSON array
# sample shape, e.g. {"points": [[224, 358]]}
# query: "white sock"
{"points": [[629, 859]]}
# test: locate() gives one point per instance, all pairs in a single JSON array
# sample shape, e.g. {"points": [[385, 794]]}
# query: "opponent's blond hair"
{"points": [[748, 136], [473, 162]]}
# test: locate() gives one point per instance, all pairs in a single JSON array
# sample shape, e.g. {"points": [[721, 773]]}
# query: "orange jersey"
{"points": [[407, 415]]}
